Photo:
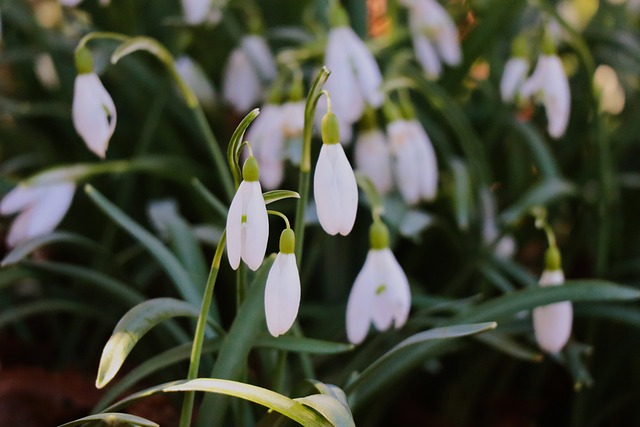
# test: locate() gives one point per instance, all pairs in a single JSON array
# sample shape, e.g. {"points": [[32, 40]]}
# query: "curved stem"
{"points": [[198, 339], [305, 164], [281, 215], [100, 35]]}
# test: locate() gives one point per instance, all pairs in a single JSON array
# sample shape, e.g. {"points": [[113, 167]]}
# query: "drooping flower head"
{"points": [[515, 71], [355, 76], [373, 158], [282, 291], [196, 79], [40, 209], [201, 11], [249, 68], [334, 183], [552, 323], [549, 83], [380, 293], [247, 221], [435, 36], [416, 165], [93, 110]]}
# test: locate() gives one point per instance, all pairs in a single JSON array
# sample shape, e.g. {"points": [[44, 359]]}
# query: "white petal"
{"points": [[552, 325], [427, 166], [374, 159], [325, 192], [282, 294], [365, 67], [551, 277], [257, 226], [259, 55], [360, 303], [196, 11], [20, 198], [557, 97], [514, 75], [427, 56], [93, 111], [347, 100], [399, 293], [347, 189], [196, 79], [43, 216], [536, 81], [267, 142], [234, 228], [293, 118], [241, 84]]}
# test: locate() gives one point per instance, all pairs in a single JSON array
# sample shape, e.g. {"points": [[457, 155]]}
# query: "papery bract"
{"points": [[416, 165], [247, 226], [380, 295], [552, 323], [40, 209], [94, 113], [549, 82], [335, 190], [373, 158]]}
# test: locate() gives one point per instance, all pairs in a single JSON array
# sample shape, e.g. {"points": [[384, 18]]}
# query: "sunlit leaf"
{"points": [[113, 419]]}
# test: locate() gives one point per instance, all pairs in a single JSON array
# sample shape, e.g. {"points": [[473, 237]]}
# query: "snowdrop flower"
{"points": [[250, 67], [513, 77], [200, 11], [45, 71], [416, 165], [282, 291], [293, 118], [373, 158], [247, 222], [506, 246], [334, 184], [435, 36], [267, 142], [93, 111], [196, 79], [552, 323], [549, 82], [40, 209], [380, 293], [355, 76]]}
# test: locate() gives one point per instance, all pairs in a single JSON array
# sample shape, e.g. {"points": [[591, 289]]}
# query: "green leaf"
{"points": [[165, 258], [48, 306], [235, 144], [462, 194], [629, 315], [509, 346], [133, 325], [272, 400], [275, 195], [23, 250], [526, 299], [538, 146], [114, 419], [231, 361], [540, 195], [330, 408], [218, 207], [302, 344], [151, 366]]}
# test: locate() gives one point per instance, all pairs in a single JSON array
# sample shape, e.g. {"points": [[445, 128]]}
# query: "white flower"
{"points": [[40, 209], [435, 36], [200, 11], [373, 158], [250, 67], [513, 77], [380, 295], [506, 246], [196, 79], [549, 81], [552, 323], [282, 290], [355, 76], [293, 118], [46, 72], [335, 190], [247, 221], [267, 142], [416, 165], [93, 111]]}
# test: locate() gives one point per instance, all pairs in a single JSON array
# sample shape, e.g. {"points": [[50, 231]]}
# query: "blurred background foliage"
{"points": [[59, 300]]}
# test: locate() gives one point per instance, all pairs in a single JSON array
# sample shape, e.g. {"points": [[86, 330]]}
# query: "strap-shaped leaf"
{"points": [[133, 325], [23, 250], [113, 418], [540, 195], [275, 195], [235, 143], [330, 408], [272, 400]]}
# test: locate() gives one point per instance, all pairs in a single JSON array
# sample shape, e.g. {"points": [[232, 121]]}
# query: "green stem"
{"points": [[219, 158], [100, 35], [305, 164], [198, 339]]}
